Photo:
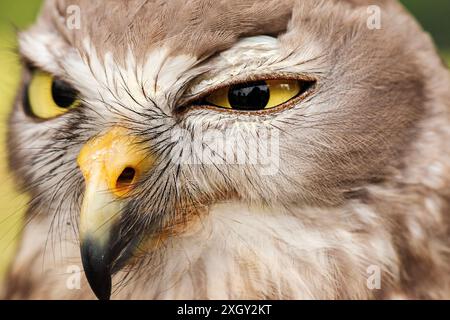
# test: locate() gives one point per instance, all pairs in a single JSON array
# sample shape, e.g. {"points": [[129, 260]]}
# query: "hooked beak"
{"points": [[110, 164]]}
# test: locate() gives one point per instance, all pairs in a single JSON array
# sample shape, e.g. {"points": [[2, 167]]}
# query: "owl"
{"points": [[229, 149]]}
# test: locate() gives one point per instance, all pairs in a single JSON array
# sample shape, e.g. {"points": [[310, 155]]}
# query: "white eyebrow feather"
{"points": [[257, 55], [45, 49]]}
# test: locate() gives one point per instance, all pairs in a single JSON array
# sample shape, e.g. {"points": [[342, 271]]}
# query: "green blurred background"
{"points": [[17, 14]]}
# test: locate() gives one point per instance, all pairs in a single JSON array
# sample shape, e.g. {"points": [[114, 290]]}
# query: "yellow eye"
{"points": [[257, 95], [48, 97]]}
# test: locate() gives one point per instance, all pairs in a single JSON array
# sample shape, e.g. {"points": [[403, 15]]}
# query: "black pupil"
{"points": [[63, 94], [250, 97]]}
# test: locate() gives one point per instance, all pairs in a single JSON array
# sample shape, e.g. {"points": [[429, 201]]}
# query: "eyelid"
{"points": [[31, 67], [187, 100]]}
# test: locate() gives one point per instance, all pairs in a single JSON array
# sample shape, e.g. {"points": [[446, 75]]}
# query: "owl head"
{"points": [[136, 118]]}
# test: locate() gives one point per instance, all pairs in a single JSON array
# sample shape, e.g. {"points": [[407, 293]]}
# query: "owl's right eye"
{"points": [[48, 97]]}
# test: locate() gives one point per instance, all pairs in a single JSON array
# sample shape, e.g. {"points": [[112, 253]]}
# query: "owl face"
{"points": [[134, 123]]}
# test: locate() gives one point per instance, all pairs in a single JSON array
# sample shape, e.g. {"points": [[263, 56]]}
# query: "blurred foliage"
{"points": [[17, 14], [434, 16], [14, 14]]}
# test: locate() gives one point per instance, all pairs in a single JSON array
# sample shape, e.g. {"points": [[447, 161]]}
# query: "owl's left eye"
{"points": [[257, 95], [48, 97]]}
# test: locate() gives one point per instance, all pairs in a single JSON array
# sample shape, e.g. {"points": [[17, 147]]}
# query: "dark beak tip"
{"points": [[101, 290], [104, 296], [97, 270]]}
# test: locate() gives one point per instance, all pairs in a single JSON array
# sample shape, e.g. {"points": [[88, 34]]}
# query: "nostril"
{"points": [[126, 178]]}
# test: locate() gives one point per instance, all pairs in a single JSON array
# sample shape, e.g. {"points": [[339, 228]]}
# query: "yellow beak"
{"points": [[110, 164]]}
